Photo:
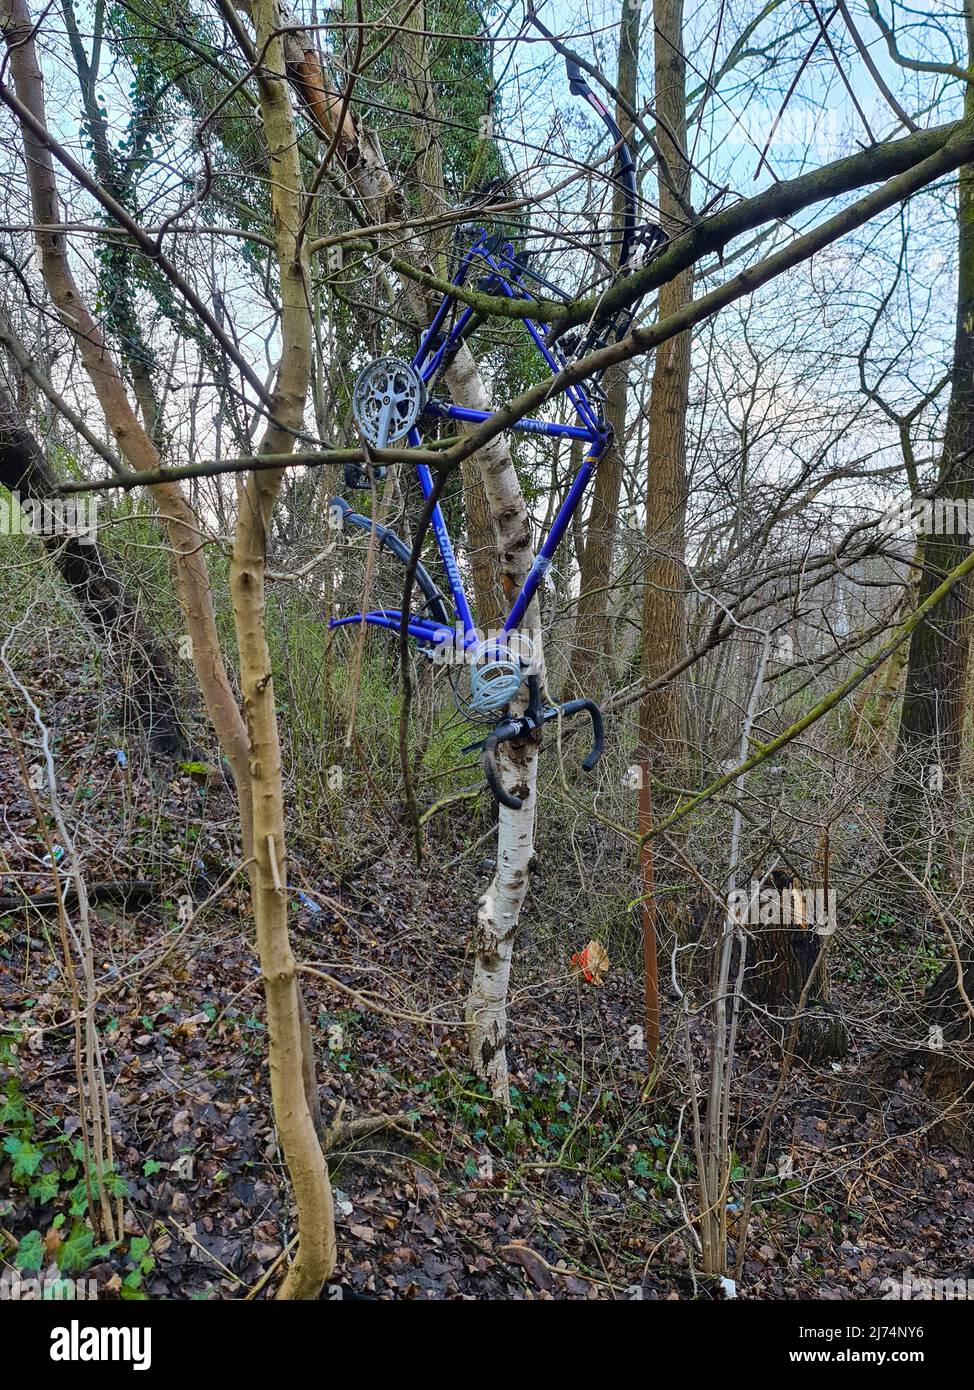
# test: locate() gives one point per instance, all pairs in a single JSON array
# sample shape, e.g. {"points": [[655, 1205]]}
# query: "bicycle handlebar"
{"points": [[598, 729], [488, 762], [518, 728]]}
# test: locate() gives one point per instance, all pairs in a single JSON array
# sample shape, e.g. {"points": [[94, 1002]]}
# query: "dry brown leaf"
{"points": [[596, 962], [533, 1265], [53, 1241]]}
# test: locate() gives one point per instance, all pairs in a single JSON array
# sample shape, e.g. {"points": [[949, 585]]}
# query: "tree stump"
{"points": [[781, 958], [948, 1068]]}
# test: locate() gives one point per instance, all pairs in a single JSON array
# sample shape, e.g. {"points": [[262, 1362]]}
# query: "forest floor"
{"points": [[575, 1198]]}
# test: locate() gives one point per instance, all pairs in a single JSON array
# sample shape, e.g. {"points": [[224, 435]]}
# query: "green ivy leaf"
{"points": [[30, 1251], [115, 1184], [26, 1157], [139, 1247], [78, 1199], [80, 1250], [45, 1189], [15, 1115]]}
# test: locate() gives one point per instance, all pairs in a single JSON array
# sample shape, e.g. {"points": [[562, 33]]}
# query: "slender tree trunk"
{"points": [[258, 767], [427, 173], [591, 645], [662, 714], [122, 317], [500, 907], [872, 708], [293, 1088], [182, 528], [590, 670], [481, 548]]}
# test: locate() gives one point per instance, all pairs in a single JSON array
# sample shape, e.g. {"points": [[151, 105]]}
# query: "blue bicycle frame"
{"points": [[503, 672], [503, 275]]}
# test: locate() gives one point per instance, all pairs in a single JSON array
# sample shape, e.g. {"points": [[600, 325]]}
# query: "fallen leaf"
{"points": [[532, 1264]]}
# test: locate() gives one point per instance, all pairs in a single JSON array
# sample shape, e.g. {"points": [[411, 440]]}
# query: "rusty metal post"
{"points": [[648, 890]]}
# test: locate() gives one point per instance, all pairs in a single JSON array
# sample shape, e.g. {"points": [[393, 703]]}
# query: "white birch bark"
{"points": [[500, 907]]}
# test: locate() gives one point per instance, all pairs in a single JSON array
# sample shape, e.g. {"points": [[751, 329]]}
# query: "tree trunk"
{"points": [[150, 688], [137, 448], [427, 173], [481, 548], [944, 1051], [932, 718], [662, 715], [948, 1070], [589, 660], [118, 282], [253, 748], [500, 907], [292, 1071]]}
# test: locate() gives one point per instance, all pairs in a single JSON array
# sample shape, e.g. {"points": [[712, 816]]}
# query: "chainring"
{"points": [[387, 400]]}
